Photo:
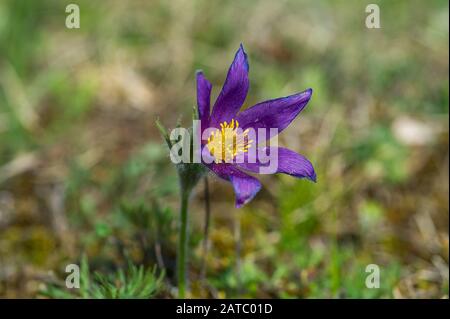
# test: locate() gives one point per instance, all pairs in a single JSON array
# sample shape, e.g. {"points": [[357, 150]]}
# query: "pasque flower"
{"points": [[226, 119], [231, 149]]}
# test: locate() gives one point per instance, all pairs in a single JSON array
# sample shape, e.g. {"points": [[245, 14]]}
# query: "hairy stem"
{"points": [[182, 245]]}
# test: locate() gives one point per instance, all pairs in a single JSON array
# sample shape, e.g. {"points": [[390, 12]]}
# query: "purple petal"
{"points": [[203, 98], [286, 161], [245, 186], [277, 113], [234, 90]]}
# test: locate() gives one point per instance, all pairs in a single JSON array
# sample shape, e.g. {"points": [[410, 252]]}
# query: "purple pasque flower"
{"points": [[226, 119]]}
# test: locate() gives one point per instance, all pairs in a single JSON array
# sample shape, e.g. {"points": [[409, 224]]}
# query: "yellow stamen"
{"points": [[228, 142]]}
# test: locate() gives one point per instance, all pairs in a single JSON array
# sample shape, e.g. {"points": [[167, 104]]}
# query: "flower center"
{"points": [[228, 142]]}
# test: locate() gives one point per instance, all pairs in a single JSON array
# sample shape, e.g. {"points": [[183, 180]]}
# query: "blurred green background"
{"points": [[85, 177]]}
